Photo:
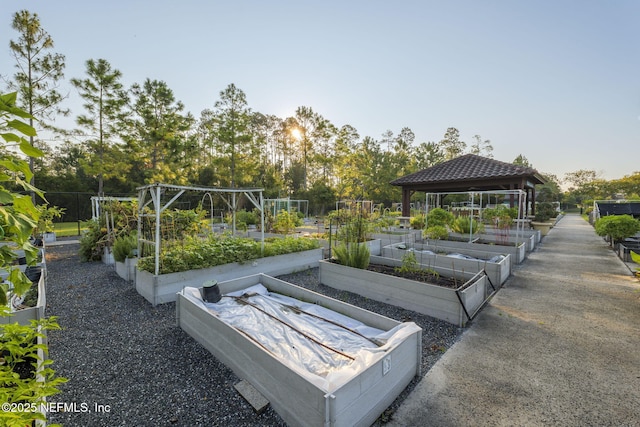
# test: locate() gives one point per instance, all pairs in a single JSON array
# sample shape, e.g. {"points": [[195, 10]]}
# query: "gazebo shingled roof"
{"points": [[469, 172]]}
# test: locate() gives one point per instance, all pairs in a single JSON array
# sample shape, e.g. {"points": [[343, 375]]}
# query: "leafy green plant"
{"points": [[19, 343], [635, 258], [418, 221], [352, 254], [436, 232], [285, 222], [439, 216], [47, 215], [544, 211], [195, 253], [410, 265], [465, 225], [125, 247], [617, 227]]}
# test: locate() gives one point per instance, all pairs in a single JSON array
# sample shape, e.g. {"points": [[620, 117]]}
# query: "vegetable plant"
{"points": [[19, 218]]}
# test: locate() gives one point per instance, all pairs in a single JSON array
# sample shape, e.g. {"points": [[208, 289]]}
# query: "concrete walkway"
{"points": [[559, 345]]}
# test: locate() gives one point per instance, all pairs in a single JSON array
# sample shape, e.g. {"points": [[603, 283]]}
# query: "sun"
{"points": [[296, 134]]}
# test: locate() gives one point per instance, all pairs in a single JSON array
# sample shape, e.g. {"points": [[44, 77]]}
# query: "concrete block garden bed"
{"points": [[455, 305], [315, 385], [496, 266], [162, 288]]}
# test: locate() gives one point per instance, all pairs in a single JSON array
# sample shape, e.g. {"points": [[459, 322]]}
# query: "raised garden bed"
{"points": [[352, 395], [127, 269], [162, 288], [496, 266], [24, 315], [517, 253], [496, 239], [456, 305]]}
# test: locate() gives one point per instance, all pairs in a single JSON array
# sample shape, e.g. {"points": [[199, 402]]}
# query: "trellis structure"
{"points": [[276, 205], [476, 199], [158, 197]]}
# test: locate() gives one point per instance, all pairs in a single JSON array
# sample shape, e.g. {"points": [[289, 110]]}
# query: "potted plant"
{"points": [[544, 211]]}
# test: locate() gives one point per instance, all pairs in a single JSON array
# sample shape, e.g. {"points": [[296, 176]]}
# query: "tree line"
{"points": [[129, 137]]}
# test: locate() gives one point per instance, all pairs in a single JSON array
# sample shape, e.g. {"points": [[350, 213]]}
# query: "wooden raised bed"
{"points": [[456, 306], [162, 288], [498, 271], [364, 390]]}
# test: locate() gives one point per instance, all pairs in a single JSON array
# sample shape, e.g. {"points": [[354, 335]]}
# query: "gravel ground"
{"points": [[128, 364]]}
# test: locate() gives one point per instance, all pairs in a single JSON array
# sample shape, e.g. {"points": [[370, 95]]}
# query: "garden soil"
{"points": [[559, 345]]}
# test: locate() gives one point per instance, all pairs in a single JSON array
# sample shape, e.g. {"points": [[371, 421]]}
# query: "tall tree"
{"points": [[521, 160], [451, 144], [104, 102], [39, 72], [160, 139], [482, 148], [230, 125], [428, 154], [312, 130]]}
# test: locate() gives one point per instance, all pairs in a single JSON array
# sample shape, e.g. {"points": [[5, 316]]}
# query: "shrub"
{"points": [[436, 232], [617, 227], [544, 211], [418, 222], [439, 216]]}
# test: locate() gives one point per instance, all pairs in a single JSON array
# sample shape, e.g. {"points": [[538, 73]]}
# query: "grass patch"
{"points": [[66, 229]]}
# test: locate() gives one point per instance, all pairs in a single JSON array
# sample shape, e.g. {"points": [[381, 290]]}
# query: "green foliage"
{"points": [[465, 225], [19, 217], [352, 254], [410, 265], [436, 232], [544, 211], [18, 346], [418, 221], [500, 216], [125, 246], [276, 246], [635, 258], [47, 215], [617, 227], [195, 253], [286, 222], [439, 216]]}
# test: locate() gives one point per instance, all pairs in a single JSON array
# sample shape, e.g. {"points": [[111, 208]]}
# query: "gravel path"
{"points": [[128, 364]]}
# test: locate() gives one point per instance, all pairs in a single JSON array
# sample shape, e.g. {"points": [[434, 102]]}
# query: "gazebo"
{"points": [[469, 173]]}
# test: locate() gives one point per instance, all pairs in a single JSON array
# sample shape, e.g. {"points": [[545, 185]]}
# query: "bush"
{"points": [[617, 227], [436, 232], [439, 216], [544, 211], [418, 222]]}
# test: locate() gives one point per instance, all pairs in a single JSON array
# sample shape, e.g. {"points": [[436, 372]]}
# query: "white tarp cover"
{"points": [[326, 368]]}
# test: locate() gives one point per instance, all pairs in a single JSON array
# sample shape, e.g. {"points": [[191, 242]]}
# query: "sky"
{"points": [[557, 81]]}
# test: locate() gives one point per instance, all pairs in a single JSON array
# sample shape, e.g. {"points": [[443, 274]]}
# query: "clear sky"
{"points": [[557, 81]]}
